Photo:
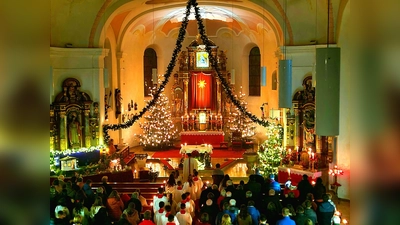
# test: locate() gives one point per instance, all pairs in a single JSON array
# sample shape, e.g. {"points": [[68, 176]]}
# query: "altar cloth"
{"points": [[296, 175], [202, 137], [200, 148]]}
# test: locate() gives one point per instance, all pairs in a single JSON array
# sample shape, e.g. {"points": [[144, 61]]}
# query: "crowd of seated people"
{"points": [[259, 201]]}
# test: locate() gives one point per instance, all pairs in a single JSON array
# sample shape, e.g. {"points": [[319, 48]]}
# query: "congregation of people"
{"points": [[192, 201]]}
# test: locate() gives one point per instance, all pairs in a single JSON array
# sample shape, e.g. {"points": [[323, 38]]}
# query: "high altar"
{"points": [[198, 101]]}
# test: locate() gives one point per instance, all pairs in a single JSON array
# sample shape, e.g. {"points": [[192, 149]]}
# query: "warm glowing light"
{"points": [[202, 84], [312, 182], [345, 221]]}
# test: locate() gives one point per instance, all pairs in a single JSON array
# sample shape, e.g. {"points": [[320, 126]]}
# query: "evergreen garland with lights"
{"points": [[159, 130], [170, 67], [240, 122], [270, 151]]}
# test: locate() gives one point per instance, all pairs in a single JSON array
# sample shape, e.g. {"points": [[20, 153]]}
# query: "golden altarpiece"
{"points": [[198, 100], [301, 135], [74, 118]]}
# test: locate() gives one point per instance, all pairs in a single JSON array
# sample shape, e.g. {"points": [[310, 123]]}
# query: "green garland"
{"points": [[170, 67]]}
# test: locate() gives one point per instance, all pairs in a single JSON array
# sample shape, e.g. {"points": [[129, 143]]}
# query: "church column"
{"points": [[52, 130], [87, 128], [63, 131], [185, 96], [218, 95], [296, 125]]}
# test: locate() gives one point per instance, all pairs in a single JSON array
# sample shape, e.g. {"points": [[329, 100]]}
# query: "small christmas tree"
{"points": [[240, 122], [270, 151], [159, 130]]}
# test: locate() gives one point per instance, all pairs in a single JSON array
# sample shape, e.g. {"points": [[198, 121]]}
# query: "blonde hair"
{"points": [[226, 220]]}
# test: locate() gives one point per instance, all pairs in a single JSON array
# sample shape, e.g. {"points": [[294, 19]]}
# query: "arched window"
{"points": [[149, 63], [254, 72]]}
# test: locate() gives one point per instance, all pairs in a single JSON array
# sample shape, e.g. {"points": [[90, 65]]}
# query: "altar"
{"points": [[202, 137], [296, 174], [204, 148]]}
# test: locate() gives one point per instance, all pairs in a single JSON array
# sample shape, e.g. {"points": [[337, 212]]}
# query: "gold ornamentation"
{"points": [[202, 84]]}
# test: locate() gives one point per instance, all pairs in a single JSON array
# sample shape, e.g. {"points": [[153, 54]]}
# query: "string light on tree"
{"points": [[159, 130], [240, 122], [270, 152]]}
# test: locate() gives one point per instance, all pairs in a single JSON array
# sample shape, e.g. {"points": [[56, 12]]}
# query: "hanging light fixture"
{"points": [[263, 69], [327, 92], [285, 74]]}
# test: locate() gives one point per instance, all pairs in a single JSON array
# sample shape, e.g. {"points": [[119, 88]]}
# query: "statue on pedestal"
{"points": [[75, 132]]}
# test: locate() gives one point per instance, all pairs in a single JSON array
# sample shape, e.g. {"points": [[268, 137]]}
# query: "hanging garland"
{"points": [[214, 63], [171, 66], [167, 75]]}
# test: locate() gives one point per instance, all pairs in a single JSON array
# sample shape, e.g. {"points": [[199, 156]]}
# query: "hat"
{"points": [[232, 202], [228, 194], [209, 202]]}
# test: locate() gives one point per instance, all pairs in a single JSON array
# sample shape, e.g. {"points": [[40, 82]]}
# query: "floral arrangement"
{"points": [[204, 159]]}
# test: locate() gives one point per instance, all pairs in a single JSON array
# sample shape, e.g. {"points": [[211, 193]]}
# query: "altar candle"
{"points": [[182, 118], [185, 144], [290, 151], [297, 147], [288, 170], [312, 155]]}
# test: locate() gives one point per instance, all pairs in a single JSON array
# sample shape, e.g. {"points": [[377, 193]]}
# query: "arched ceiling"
{"points": [[303, 21], [166, 17]]}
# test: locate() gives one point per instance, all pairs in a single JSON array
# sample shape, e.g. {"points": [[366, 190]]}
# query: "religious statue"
{"points": [[304, 158], [74, 132], [178, 105], [118, 102], [111, 147]]}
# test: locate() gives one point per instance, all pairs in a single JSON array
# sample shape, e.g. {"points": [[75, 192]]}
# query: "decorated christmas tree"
{"points": [[270, 151], [240, 122], [159, 130]]}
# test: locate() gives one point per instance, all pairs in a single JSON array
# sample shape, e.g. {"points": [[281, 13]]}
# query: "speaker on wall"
{"points": [[327, 93], [285, 83]]}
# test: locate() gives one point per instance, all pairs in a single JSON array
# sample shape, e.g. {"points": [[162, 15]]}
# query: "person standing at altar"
{"points": [[189, 164], [304, 188]]}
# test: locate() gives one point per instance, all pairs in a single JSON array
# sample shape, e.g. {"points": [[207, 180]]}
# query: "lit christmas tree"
{"points": [[159, 130], [270, 151], [241, 123]]}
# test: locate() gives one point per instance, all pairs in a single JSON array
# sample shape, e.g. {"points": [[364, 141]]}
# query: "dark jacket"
{"points": [[325, 213]]}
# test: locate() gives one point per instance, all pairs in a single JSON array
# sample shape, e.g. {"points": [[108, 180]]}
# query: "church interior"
{"points": [[148, 81]]}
